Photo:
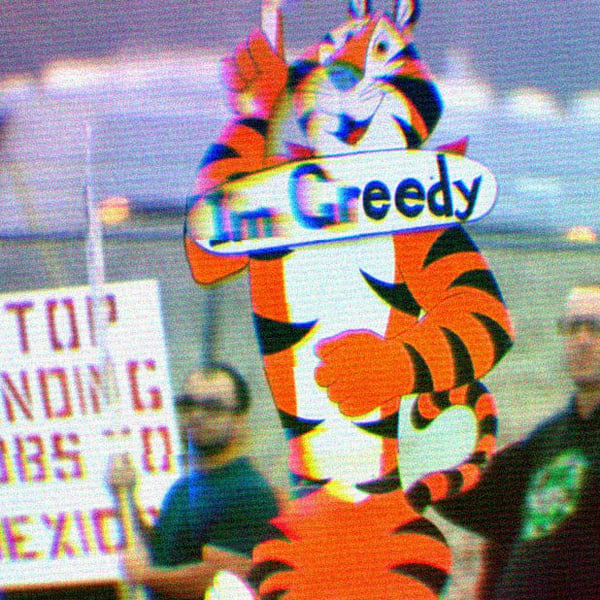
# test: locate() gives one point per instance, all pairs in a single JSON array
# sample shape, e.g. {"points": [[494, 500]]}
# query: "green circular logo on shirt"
{"points": [[553, 494]]}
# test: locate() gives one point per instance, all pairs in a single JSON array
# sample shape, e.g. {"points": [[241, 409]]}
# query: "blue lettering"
{"points": [[347, 197], [376, 200], [215, 200], [411, 196], [470, 195], [325, 213], [410, 189], [442, 186], [248, 224], [248, 221]]}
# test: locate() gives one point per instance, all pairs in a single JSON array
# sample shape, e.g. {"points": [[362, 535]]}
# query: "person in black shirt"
{"points": [[538, 503]]}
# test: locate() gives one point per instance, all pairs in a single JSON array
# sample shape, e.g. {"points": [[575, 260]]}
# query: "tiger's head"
{"points": [[364, 86]]}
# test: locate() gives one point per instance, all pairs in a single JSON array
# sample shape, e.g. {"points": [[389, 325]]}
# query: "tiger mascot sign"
{"points": [[375, 312]]}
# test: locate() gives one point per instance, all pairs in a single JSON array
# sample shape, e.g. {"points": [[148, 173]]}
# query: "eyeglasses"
{"points": [[209, 405], [575, 324]]}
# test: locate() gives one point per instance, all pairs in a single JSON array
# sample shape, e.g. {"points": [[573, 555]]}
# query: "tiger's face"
{"points": [[364, 88]]}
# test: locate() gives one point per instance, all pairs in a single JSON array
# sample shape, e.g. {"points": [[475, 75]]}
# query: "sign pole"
{"points": [[110, 390]]}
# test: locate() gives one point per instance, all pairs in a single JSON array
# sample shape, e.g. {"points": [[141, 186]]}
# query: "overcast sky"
{"points": [[549, 44]]}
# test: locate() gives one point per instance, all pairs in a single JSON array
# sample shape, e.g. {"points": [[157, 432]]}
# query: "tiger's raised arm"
{"points": [[255, 78]]}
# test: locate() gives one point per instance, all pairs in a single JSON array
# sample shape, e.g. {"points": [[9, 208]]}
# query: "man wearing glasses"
{"points": [[215, 514], [538, 503]]}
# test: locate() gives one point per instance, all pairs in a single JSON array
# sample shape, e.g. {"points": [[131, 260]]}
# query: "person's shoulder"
{"points": [[180, 486], [548, 426], [251, 473], [510, 457], [243, 466], [249, 480]]}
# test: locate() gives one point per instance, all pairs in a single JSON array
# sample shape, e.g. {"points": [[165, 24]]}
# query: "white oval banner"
{"points": [[332, 198]]}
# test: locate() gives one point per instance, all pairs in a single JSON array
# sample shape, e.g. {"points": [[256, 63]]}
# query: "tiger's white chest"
{"points": [[325, 283]]}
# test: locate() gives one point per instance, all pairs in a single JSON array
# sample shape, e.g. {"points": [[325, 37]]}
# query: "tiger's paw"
{"points": [[255, 77], [361, 371]]}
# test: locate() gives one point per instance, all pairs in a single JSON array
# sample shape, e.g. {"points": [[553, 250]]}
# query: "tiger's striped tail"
{"points": [[443, 485]]}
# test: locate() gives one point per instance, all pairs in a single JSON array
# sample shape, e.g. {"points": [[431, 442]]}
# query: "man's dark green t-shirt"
{"points": [[229, 507]]}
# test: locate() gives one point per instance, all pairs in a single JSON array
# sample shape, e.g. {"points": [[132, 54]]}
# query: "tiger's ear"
{"points": [[407, 13], [359, 8]]}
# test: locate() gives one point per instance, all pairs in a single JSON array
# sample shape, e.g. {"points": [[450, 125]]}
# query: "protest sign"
{"points": [[57, 518]]}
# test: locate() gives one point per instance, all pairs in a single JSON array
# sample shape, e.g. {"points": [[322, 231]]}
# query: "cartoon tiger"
{"points": [[351, 331]]}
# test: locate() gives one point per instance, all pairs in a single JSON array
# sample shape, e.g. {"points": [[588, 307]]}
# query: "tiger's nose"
{"points": [[343, 76]]}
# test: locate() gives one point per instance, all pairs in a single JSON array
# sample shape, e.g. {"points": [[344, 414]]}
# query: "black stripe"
{"points": [[385, 428], [478, 458], [274, 595], [262, 570], [295, 426], [301, 486], [418, 420], [488, 425], [463, 365], [423, 94], [424, 527], [236, 176], [395, 294], [303, 480], [419, 497], [275, 336], [383, 485], [415, 14], [298, 71], [501, 340], [455, 481], [358, 15], [431, 577], [441, 400], [218, 152], [409, 51], [474, 392], [481, 279], [413, 139], [259, 125], [422, 374], [270, 254], [452, 241]]}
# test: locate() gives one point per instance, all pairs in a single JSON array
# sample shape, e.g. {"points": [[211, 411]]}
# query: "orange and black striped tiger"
{"points": [[352, 331]]}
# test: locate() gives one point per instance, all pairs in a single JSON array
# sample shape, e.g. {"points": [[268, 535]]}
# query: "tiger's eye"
{"points": [[381, 47]]}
